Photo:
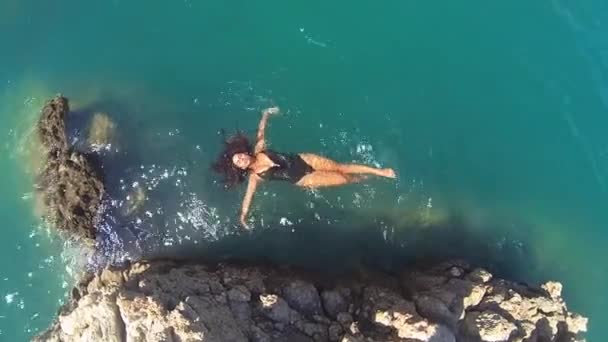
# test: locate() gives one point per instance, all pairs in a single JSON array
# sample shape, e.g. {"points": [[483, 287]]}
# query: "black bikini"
{"points": [[289, 167]]}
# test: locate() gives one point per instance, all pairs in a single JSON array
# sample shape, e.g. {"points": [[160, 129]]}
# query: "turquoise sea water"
{"points": [[493, 114]]}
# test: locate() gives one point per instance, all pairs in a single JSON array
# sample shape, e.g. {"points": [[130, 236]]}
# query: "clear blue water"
{"points": [[494, 115]]}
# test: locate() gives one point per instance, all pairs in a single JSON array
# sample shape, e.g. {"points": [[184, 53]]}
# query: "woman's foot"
{"points": [[388, 173]]}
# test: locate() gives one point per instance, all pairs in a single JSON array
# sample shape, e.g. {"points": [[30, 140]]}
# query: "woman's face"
{"points": [[242, 160]]}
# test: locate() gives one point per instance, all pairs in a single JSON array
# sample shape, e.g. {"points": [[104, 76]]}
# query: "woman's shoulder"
{"points": [[269, 153], [276, 157]]}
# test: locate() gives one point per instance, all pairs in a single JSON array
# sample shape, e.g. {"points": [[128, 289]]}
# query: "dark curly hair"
{"points": [[237, 143]]}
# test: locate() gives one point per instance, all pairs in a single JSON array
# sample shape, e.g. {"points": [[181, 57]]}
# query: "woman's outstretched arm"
{"points": [[251, 186], [261, 137]]}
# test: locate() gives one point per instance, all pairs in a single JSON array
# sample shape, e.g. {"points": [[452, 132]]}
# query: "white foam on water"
{"points": [[365, 151], [370, 191], [200, 217], [9, 298], [358, 199], [285, 222]]}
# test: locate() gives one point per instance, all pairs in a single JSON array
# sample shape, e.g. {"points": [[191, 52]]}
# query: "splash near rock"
{"points": [[70, 185], [169, 301]]}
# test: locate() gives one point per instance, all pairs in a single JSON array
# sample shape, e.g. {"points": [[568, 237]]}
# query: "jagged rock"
{"points": [[456, 271], [479, 275], [316, 331], [576, 323], [345, 318], [468, 293], [335, 332], [387, 308], [51, 125], [447, 303], [145, 319], [436, 310], [70, 185], [242, 312], [475, 296], [351, 338], [553, 288], [251, 278], [488, 326], [304, 297], [258, 335], [275, 308], [334, 303], [111, 277], [72, 191], [413, 327], [96, 318], [239, 293], [546, 314], [239, 297], [165, 301], [217, 317]]}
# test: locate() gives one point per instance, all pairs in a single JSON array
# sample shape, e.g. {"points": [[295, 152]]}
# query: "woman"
{"points": [[304, 170]]}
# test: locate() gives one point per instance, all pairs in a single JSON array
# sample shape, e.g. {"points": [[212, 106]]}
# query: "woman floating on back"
{"points": [[239, 160]]}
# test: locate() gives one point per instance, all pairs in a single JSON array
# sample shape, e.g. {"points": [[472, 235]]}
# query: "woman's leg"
{"points": [[321, 179], [324, 164]]}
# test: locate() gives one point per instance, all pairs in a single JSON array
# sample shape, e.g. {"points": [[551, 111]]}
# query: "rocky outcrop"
{"points": [[166, 301], [69, 184]]}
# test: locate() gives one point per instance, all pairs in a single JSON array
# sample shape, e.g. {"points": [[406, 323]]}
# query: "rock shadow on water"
{"points": [[361, 243]]}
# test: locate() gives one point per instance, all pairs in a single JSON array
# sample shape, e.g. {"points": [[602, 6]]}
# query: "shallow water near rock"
{"points": [[494, 116]]}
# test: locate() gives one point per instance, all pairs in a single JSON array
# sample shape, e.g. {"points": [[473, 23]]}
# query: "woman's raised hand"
{"points": [[271, 110]]}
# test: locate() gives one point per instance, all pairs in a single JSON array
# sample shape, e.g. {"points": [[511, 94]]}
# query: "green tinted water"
{"points": [[494, 115]]}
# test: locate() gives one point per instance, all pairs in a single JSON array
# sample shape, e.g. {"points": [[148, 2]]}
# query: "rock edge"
{"points": [[169, 301]]}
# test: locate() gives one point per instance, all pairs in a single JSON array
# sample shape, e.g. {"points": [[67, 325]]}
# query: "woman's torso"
{"points": [[287, 167]]}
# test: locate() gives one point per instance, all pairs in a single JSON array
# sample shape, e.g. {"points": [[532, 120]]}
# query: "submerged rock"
{"points": [[69, 184], [135, 201], [102, 132], [168, 301]]}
